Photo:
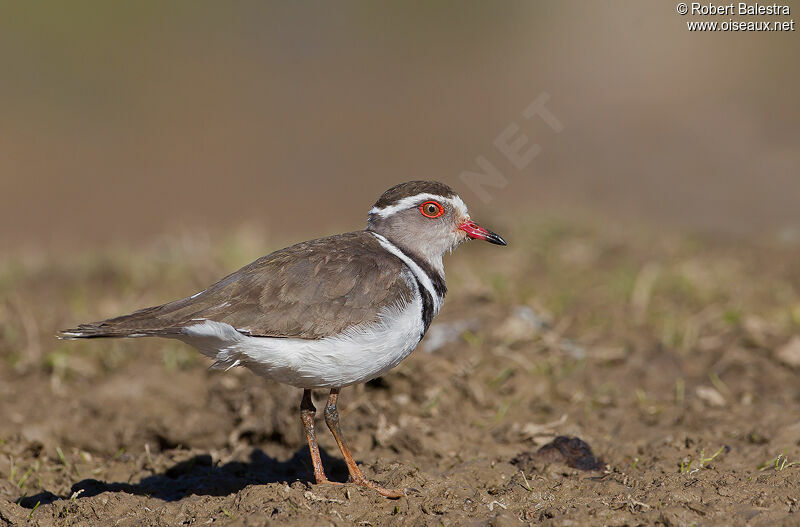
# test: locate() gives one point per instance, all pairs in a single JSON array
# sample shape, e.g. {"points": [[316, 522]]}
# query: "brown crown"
{"points": [[412, 188]]}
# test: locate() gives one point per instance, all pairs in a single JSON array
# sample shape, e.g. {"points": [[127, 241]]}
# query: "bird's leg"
{"points": [[357, 477], [307, 414]]}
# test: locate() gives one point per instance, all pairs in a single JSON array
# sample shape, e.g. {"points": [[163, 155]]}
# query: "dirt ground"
{"points": [[674, 358]]}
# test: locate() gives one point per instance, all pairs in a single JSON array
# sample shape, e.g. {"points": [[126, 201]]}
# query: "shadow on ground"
{"points": [[200, 476]]}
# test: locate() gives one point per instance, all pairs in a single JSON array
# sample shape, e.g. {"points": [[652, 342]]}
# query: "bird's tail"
{"points": [[142, 323]]}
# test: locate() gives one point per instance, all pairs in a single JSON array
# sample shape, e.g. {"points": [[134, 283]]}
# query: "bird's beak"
{"points": [[474, 230]]}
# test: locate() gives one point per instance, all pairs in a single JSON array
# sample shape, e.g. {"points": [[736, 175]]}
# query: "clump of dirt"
{"points": [[571, 451], [667, 355]]}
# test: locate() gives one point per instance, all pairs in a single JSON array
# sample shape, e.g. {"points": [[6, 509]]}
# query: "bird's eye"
{"points": [[431, 209]]}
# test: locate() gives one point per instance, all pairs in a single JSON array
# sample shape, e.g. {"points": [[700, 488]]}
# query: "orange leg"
{"points": [[357, 477], [307, 414]]}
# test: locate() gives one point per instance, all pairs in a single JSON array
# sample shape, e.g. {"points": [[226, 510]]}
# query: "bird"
{"points": [[326, 313]]}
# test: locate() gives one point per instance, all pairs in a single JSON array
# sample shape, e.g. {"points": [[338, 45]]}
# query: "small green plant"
{"points": [[73, 501], [780, 463], [527, 485], [718, 384], [176, 358], [702, 462], [432, 402], [502, 411], [501, 378], [147, 454], [57, 362], [680, 391], [706, 460], [27, 474], [61, 456], [474, 340], [732, 317]]}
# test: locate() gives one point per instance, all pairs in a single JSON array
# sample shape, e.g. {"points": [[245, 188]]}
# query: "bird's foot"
{"points": [[326, 481], [387, 493]]}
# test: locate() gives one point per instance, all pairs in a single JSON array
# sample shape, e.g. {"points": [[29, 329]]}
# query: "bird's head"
{"points": [[427, 218]]}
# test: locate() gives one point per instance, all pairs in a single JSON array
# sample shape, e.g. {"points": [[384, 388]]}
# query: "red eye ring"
{"points": [[428, 211]]}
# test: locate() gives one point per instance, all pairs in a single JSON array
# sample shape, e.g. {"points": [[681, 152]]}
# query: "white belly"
{"points": [[357, 355]]}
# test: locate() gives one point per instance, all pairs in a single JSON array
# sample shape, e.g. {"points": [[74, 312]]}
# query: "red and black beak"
{"points": [[474, 230]]}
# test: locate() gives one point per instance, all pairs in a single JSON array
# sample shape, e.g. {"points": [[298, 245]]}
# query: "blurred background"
{"points": [[123, 121], [648, 302]]}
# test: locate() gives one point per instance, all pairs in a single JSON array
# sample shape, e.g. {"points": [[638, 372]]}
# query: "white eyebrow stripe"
{"points": [[408, 202]]}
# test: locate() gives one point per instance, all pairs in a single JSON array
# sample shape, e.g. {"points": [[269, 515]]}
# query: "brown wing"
{"points": [[311, 290]]}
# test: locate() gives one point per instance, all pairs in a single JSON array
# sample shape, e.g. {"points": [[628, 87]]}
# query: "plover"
{"points": [[325, 313]]}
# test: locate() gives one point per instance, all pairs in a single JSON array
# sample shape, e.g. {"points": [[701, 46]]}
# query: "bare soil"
{"points": [[672, 358]]}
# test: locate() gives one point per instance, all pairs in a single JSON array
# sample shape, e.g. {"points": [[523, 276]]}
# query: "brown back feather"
{"points": [[311, 290]]}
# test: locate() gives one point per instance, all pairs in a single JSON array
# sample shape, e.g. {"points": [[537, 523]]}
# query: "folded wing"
{"points": [[311, 290]]}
